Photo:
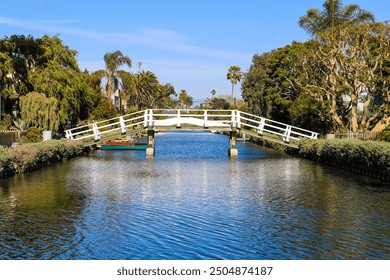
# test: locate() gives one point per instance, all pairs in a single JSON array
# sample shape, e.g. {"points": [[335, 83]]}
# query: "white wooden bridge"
{"points": [[151, 120]]}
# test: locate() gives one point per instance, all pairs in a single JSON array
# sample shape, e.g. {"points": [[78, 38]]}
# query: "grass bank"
{"points": [[370, 158], [31, 156]]}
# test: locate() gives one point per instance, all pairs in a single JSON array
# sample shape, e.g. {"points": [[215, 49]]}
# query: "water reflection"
{"points": [[192, 202]]}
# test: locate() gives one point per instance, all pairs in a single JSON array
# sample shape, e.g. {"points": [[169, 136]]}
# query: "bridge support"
{"points": [[150, 148], [233, 152]]}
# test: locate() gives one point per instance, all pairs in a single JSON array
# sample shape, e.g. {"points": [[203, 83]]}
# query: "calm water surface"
{"points": [[192, 202]]}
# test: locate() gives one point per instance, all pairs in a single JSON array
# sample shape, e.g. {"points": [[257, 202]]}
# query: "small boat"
{"points": [[128, 144]]}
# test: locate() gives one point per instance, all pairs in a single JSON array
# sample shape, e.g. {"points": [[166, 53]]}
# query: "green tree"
{"points": [[278, 86], [185, 100], [168, 97], [40, 111], [218, 104], [127, 87], [334, 14], [273, 82], [355, 60], [254, 85], [59, 76], [19, 55], [112, 62], [147, 90], [47, 66], [234, 74], [102, 107]]}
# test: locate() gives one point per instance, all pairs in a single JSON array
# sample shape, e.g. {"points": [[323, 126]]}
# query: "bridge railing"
{"points": [[95, 130], [263, 125], [178, 117], [219, 119]]}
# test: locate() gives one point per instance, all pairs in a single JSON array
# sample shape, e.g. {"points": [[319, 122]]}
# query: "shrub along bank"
{"points": [[371, 158], [31, 156]]}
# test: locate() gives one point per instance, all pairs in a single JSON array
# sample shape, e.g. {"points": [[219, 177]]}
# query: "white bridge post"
{"points": [[205, 118], [146, 121], [234, 119], [68, 134], [178, 119], [286, 136], [123, 125], [261, 126], [96, 131], [150, 120]]}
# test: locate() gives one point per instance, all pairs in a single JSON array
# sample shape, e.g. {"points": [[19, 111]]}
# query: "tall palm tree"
{"points": [[334, 14], [234, 75], [112, 62]]}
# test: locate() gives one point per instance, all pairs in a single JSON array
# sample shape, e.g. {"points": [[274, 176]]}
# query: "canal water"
{"points": [[192, 202]]}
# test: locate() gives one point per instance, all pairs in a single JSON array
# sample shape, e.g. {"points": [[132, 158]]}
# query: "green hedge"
{"points": [[371, 154], [31, 156], [6, 159]]}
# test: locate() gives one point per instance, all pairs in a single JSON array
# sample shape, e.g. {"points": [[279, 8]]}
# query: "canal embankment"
{"points": [[31, 156], [369, 158]]}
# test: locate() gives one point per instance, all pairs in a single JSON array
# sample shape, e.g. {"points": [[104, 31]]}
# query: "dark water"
{"points": [[192, 202]]}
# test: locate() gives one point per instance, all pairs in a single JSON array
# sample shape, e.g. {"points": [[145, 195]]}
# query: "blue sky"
{"points": [[190, 44]]}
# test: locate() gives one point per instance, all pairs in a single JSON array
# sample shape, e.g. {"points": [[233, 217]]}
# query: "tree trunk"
{"points": [[354, 121], [333, 111], [381, 125]]}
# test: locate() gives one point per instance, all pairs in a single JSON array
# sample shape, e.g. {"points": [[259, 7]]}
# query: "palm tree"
{"points": [[234, 75], [127, 86], [146, 90], [333, 15], [113, 61], [185, 100]]}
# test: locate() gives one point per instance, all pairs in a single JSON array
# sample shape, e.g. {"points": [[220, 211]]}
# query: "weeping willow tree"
{"points": [[40, 111]]}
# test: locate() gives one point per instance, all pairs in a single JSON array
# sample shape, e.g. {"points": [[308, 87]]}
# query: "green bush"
{"points": [[26, 157], [6, 158], [29, 156], [373, 154], [6, 122], [34, 134], [385, 136]]}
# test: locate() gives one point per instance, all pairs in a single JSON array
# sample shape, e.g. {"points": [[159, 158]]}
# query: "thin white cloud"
{"points": [[60, 21], [162, 39], [162, 33]]}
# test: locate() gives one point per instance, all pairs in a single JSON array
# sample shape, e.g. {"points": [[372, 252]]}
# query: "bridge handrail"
{"points": [[98, 125], [213, 117], [293, 129]]}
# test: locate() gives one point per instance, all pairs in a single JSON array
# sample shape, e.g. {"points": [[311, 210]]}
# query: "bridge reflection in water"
{"points": [[232, 121]]}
